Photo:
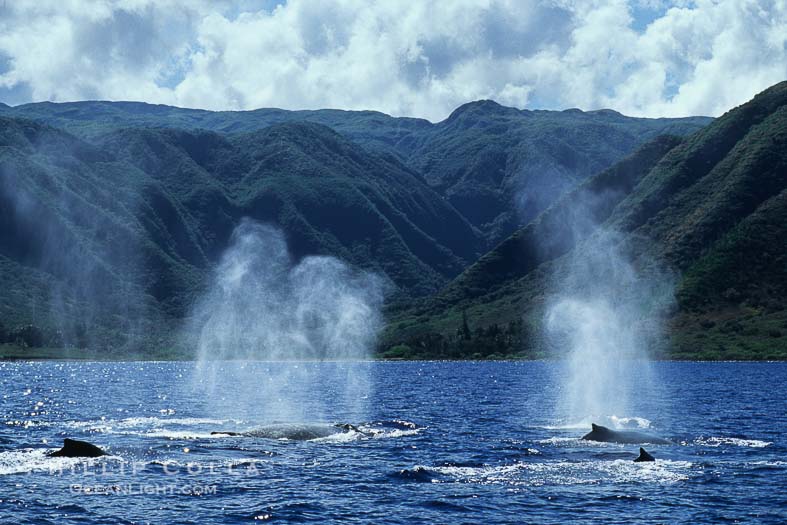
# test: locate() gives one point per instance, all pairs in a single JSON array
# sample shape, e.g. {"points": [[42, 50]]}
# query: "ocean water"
{"points": [[439, 442]]}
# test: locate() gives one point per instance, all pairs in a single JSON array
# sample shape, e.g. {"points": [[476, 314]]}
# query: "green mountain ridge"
{"points": [[98, 227], [481, 158], [708, 206], [113, 215]]}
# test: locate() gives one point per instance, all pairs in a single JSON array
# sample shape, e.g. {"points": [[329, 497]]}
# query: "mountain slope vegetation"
{"points": [[114, 214], [708, 207], [124, 230], [498, 166]]}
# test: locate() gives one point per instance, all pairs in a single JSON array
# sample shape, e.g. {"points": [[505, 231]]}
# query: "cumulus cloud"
{"points": [[645, 57]]}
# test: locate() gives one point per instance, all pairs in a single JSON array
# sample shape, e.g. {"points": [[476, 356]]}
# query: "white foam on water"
{"points": [[210, 465], [482, 475], [567, 473], [739, 442], [24, 423], [659, 471], [407, 424], [132, 422], [558, 441], [340, 437], [766, 463], [575, 441], [153, 426], [366, 432], [36, 460], [398, 433], [174, 434]]}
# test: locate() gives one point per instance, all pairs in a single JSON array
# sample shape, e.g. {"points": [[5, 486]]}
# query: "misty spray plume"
{"points": [[279, 341], [87, 289], [604, 316]]}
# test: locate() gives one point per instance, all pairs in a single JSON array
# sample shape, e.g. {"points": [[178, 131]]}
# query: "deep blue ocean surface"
{"points": [[440, 442]]}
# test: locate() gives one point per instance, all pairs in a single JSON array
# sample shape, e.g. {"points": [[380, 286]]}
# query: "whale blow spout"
{"points": [[644, 456], [73, 448]]}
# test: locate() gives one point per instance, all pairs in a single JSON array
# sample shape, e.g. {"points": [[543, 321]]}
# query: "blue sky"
{"points": [[643, 57]]}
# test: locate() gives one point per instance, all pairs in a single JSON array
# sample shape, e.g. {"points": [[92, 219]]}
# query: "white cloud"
{"points": [[404, 58]]}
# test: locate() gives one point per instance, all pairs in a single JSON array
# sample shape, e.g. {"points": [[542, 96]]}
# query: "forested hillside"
{"points": [[113, 214], [710, 208]]}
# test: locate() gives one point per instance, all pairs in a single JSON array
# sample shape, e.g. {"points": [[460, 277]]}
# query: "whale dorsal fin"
{"points": [[644, 456], [594, 426]]}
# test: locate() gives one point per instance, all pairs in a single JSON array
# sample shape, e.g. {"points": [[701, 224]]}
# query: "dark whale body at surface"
{"points": [[644, 456], [294, 431], [73, 448], [607, 435]]}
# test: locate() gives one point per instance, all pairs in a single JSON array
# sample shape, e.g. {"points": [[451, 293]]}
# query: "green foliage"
{"points": [[479, 159], [501, 167], [120, 239], [736, 333], [712, 207], [112, 215], [512, 340], [399, 352]]}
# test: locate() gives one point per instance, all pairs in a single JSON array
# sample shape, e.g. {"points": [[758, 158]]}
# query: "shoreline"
{"points": [[13, 353], [511, 359]]}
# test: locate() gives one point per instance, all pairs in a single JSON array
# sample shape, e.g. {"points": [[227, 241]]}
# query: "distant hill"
{"points": [[498, 166], [113, 214], [710, 206], [137, 218]]}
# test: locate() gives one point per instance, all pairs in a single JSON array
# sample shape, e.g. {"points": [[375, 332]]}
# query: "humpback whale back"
{"points": [[294, 431], [607, 435], [73, 448]]}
